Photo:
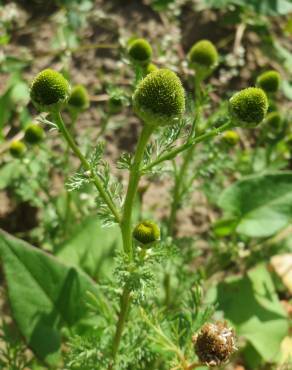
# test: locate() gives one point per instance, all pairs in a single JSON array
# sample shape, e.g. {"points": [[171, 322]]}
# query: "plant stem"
{"points": [[98, 184], [126, 222], [125, 306], [126, 229], [194, 141]]}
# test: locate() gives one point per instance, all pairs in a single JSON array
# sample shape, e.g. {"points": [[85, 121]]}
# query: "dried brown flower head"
{"points": [[215, 343]]}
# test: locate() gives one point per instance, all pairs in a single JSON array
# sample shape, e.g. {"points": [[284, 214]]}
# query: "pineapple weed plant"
{"points": [[130, 328]]}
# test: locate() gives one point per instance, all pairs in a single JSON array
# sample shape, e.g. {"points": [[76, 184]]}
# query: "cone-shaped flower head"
{"points": [[230, 137], [33, 133], [249, 107], [269, 81], [49, 90], [159, 98], [214, 344], [203, 54], [79, 99], [17, 149], [140, 51], [147, 232]]}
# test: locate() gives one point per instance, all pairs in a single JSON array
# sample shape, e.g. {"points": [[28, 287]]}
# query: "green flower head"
{"points": [[146, 232], [79, 99], [203, 55], [248, 107], [159, 98], [274, 120], [33, 133], [230, 137], [17, 149], [140, 51], [269, 81], [49, 90]]}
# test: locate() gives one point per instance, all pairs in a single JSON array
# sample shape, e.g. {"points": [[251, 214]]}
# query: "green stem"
{"points": [[98, 184], [125, 306], [135, 173], [68, 213], [126, 228], [192, 142]]}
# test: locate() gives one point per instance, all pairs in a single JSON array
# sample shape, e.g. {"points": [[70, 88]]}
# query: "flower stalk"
{"points": [[135, 173]]}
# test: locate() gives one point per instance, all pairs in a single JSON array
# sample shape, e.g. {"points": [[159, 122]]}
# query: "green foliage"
{"points": [[261, 204], [44, 294], [8, 172], [49, 89], [146, 306], [251, 304], [266, 7], [249, 107], [13, 353], [91, 248], [159, 98]]}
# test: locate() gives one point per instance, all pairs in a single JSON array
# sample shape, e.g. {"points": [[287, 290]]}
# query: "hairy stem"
{"points": [[106, 197], [124, 309], [126, 228], [126, 223]]}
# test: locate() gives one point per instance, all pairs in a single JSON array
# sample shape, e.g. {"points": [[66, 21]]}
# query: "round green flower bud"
{"points": [[230, 137], [140, 51], [17, 149], [33, 133], [49, 89], [274, 120], [150, 68], [79, 99], [159, 98], [146, 232], [249, 106], [269, 81], [203, 54]]}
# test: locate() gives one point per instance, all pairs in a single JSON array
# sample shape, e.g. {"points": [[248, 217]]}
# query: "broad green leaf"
{"points": [[252, 306], [44, 294], [224, 227], [262, 204], [90, 248]]}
